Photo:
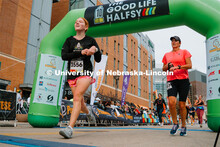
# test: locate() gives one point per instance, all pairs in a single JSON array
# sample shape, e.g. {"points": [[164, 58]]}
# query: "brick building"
{"points": [[27, 22], [23, 25], [14, 28], [198, 85], [127, 52]]}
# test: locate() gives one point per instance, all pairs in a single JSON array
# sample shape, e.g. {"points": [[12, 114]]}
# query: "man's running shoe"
{"points": [[90, 116], [66, 132], [174, 129], [183, 131]]}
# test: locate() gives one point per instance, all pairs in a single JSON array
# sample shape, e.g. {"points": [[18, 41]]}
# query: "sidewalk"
{"points": [[140, 136]]}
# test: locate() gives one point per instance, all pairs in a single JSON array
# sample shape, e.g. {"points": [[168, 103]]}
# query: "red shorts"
{"points": [[73, 82]]}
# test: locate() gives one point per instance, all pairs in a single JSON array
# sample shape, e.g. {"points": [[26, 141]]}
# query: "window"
{"points": [[125, 41], [131, 88], [131, 59], [118, 64], [139, 92], [114, 45], [203, 78], [125, 57], [134, 46], [134, 61], [105, 77], [134, 89], [139, 53], [131, 44], [114, 63], [125, 68], [118, 48]]}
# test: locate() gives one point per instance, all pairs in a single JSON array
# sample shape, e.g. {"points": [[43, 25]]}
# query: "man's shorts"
{"points": [[178, 86]]}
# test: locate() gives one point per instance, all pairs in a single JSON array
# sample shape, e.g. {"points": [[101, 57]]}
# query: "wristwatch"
{"points": [[179, 66], [96, 49]]}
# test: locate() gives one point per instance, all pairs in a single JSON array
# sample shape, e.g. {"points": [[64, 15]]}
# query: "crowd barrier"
{"points": [[7, 105], [111, 116]]}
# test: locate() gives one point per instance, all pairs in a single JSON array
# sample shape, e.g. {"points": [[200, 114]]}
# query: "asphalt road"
{"points": [[135, 136]]}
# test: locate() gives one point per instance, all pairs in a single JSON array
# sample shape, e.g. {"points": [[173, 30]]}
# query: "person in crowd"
{"points": [[192, 114], [177, 61], [29, 99], [65, 98], [19, 96], [77, 50], [159, 104], [200, 109], [100, 104], [188, 104]]}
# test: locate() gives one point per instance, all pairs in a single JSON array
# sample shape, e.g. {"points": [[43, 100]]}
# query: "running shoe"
{"points": [[66, 132], [200, 125], [174, 129], [183, 131], [90, 116]]}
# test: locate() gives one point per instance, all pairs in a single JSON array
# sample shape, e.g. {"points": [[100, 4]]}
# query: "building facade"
{"points": [[27, 22], [198, 85], [129, 52], [161, 83]]}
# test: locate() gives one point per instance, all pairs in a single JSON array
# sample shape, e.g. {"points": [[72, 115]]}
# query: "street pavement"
{"points": [[119, 136]]}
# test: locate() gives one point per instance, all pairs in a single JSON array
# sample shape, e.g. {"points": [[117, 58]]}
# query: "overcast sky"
{"points": [[191, 40]]}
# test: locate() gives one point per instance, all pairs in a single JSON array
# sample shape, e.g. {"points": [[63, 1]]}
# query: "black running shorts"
{"points": [[178, 86]]}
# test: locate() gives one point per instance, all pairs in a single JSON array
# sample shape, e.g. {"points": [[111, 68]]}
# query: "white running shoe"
{"points": [[66, 132], [90, 116]]}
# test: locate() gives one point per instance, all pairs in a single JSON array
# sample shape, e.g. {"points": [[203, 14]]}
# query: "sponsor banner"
{"points": [[62, 85], [213, 69], [126, 79], [137, 118], [7, 105], [66, 110], [125, 10], [98, 75], [48, 84]]}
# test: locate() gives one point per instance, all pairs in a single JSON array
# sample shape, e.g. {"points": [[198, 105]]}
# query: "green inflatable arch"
{"points": [[123, 18]]}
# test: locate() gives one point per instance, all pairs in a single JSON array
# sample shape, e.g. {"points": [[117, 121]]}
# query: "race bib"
{"points": [[76, 66]]}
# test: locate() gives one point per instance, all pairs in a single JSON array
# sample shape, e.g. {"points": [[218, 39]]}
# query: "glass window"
{"points": [[118, 64], [139, 92], [125, 41], [118, 48], [114, 45], [114, 63], [105, 77]]}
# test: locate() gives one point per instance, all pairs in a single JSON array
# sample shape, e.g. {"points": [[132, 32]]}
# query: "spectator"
{"points": [[100, 105], [159, 103], [19, 97], [200, 109], [29, 99]]}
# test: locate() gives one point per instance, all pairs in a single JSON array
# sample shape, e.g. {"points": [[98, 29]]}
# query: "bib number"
{"points": [[76, 66]]}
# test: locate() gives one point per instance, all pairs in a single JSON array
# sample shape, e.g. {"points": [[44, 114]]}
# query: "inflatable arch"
{"points": [[122, 18]]}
